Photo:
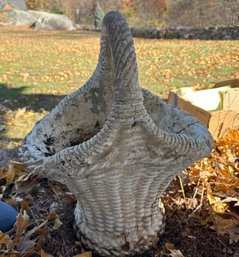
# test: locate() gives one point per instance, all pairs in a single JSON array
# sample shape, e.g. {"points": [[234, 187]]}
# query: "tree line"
{"points": [[161, 13]]}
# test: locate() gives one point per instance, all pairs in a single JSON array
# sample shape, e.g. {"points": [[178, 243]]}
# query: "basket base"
{"points": [[126, 244]]}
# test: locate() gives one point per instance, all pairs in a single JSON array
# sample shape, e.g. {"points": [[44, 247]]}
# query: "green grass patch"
{"points": [[38, 68]]}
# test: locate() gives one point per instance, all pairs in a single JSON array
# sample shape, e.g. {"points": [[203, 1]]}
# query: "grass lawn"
{"points": [[38, 68]]}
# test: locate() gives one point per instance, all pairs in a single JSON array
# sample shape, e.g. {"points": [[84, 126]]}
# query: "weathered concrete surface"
{"points": [[116, 147], [7, 155]]}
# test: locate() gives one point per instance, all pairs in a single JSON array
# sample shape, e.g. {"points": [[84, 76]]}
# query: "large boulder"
{"points": [[18, 17], [60, 23], [41, 20]]}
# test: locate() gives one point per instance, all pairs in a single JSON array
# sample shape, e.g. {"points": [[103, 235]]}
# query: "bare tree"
{"points": [[190, 13], [201, 13], [231, 8], [108, 5]]}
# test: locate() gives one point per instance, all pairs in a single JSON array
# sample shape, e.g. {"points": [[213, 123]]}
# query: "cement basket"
{"points": [[116, 147]]}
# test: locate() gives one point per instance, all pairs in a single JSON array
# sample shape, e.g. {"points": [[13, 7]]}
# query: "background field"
{"points": [[38, 68]]}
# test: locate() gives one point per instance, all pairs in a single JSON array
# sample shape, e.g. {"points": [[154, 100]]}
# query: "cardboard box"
{"points": [[231, 100], [218, 122]]}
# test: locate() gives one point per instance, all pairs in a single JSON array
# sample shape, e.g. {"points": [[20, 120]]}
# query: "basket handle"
{"points": [[118, 52]]}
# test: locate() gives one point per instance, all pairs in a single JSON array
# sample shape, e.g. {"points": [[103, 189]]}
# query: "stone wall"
{"points": [[216, 33]]}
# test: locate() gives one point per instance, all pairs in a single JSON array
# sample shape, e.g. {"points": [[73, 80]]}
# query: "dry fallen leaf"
{"points": [[21, 224], [173, 252], [231, 199], [10, 173], [14, 169], [57, 223], [85, 254], [6, 241], [217, 204], [218, 175]]}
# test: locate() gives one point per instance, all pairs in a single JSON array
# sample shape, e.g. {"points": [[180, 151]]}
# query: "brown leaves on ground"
{"points": [[37, 217], [210, 189], [58, 62]]}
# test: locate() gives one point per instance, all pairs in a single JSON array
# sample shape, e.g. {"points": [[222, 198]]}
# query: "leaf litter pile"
{"points": [[202, 210]]}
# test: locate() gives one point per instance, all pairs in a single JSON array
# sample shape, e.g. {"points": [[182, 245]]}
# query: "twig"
{"points": [[182, 188]]}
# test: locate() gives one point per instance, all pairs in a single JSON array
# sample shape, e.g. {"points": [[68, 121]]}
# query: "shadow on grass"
{"points": [[14, 98]]}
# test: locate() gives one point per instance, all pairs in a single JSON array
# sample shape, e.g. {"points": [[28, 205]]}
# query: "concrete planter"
{"points": [[116, 147]]}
